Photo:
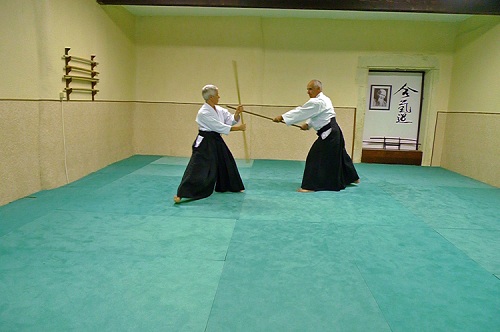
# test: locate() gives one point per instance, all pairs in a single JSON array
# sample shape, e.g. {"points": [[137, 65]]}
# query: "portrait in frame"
{"points": [[380, 97]]}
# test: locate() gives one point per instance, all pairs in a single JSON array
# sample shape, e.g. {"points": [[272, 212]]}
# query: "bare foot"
{"points": [[357, 181], [242, 191], [177, 199], [300, 190]]}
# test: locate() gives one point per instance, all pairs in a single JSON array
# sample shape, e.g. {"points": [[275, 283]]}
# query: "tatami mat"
{"points": [[409, 249]]}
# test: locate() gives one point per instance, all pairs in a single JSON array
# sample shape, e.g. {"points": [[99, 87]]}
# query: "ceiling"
{"points": [[291, 13], [422, 10]]}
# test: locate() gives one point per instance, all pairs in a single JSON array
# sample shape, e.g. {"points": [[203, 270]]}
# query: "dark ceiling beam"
{"points": [[473, 7]]}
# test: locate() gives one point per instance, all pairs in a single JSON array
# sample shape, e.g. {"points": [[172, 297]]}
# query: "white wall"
{"points": [[471, 143], [33, 35], [169, 59]]}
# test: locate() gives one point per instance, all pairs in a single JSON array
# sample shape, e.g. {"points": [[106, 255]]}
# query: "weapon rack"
{"points": [[85, 74]]}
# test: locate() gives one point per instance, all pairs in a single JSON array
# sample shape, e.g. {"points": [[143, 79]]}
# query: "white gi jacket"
{"points": [[220, 121], [317, 111]]}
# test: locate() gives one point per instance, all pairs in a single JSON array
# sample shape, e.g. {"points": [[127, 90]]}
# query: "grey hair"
{"points": [[208, 91], [317, 84]]}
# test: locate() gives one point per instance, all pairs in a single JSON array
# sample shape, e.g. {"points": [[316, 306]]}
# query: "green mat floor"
{"points": [[409, 249]]}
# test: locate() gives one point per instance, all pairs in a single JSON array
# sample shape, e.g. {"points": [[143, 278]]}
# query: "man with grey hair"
{"points": [[381, 98], [212, 164], [328, 166]]}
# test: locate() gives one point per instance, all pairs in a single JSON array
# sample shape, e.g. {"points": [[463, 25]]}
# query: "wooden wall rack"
{"points": [[88, 74], [387, 142], [391, 152]]}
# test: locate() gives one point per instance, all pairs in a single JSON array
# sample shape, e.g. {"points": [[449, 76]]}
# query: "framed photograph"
{"points": [[380, 97]]}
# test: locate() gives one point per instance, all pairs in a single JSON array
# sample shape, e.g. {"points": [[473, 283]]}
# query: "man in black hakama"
{"points": [[328, 166], [212, 165]]}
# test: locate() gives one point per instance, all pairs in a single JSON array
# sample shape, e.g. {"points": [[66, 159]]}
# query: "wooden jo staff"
{"points": [[260, 115], [235, 68]]}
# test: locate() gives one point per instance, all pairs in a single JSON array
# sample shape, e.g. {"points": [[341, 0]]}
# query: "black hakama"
{"points": [[328, 166], [211, 165]]}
